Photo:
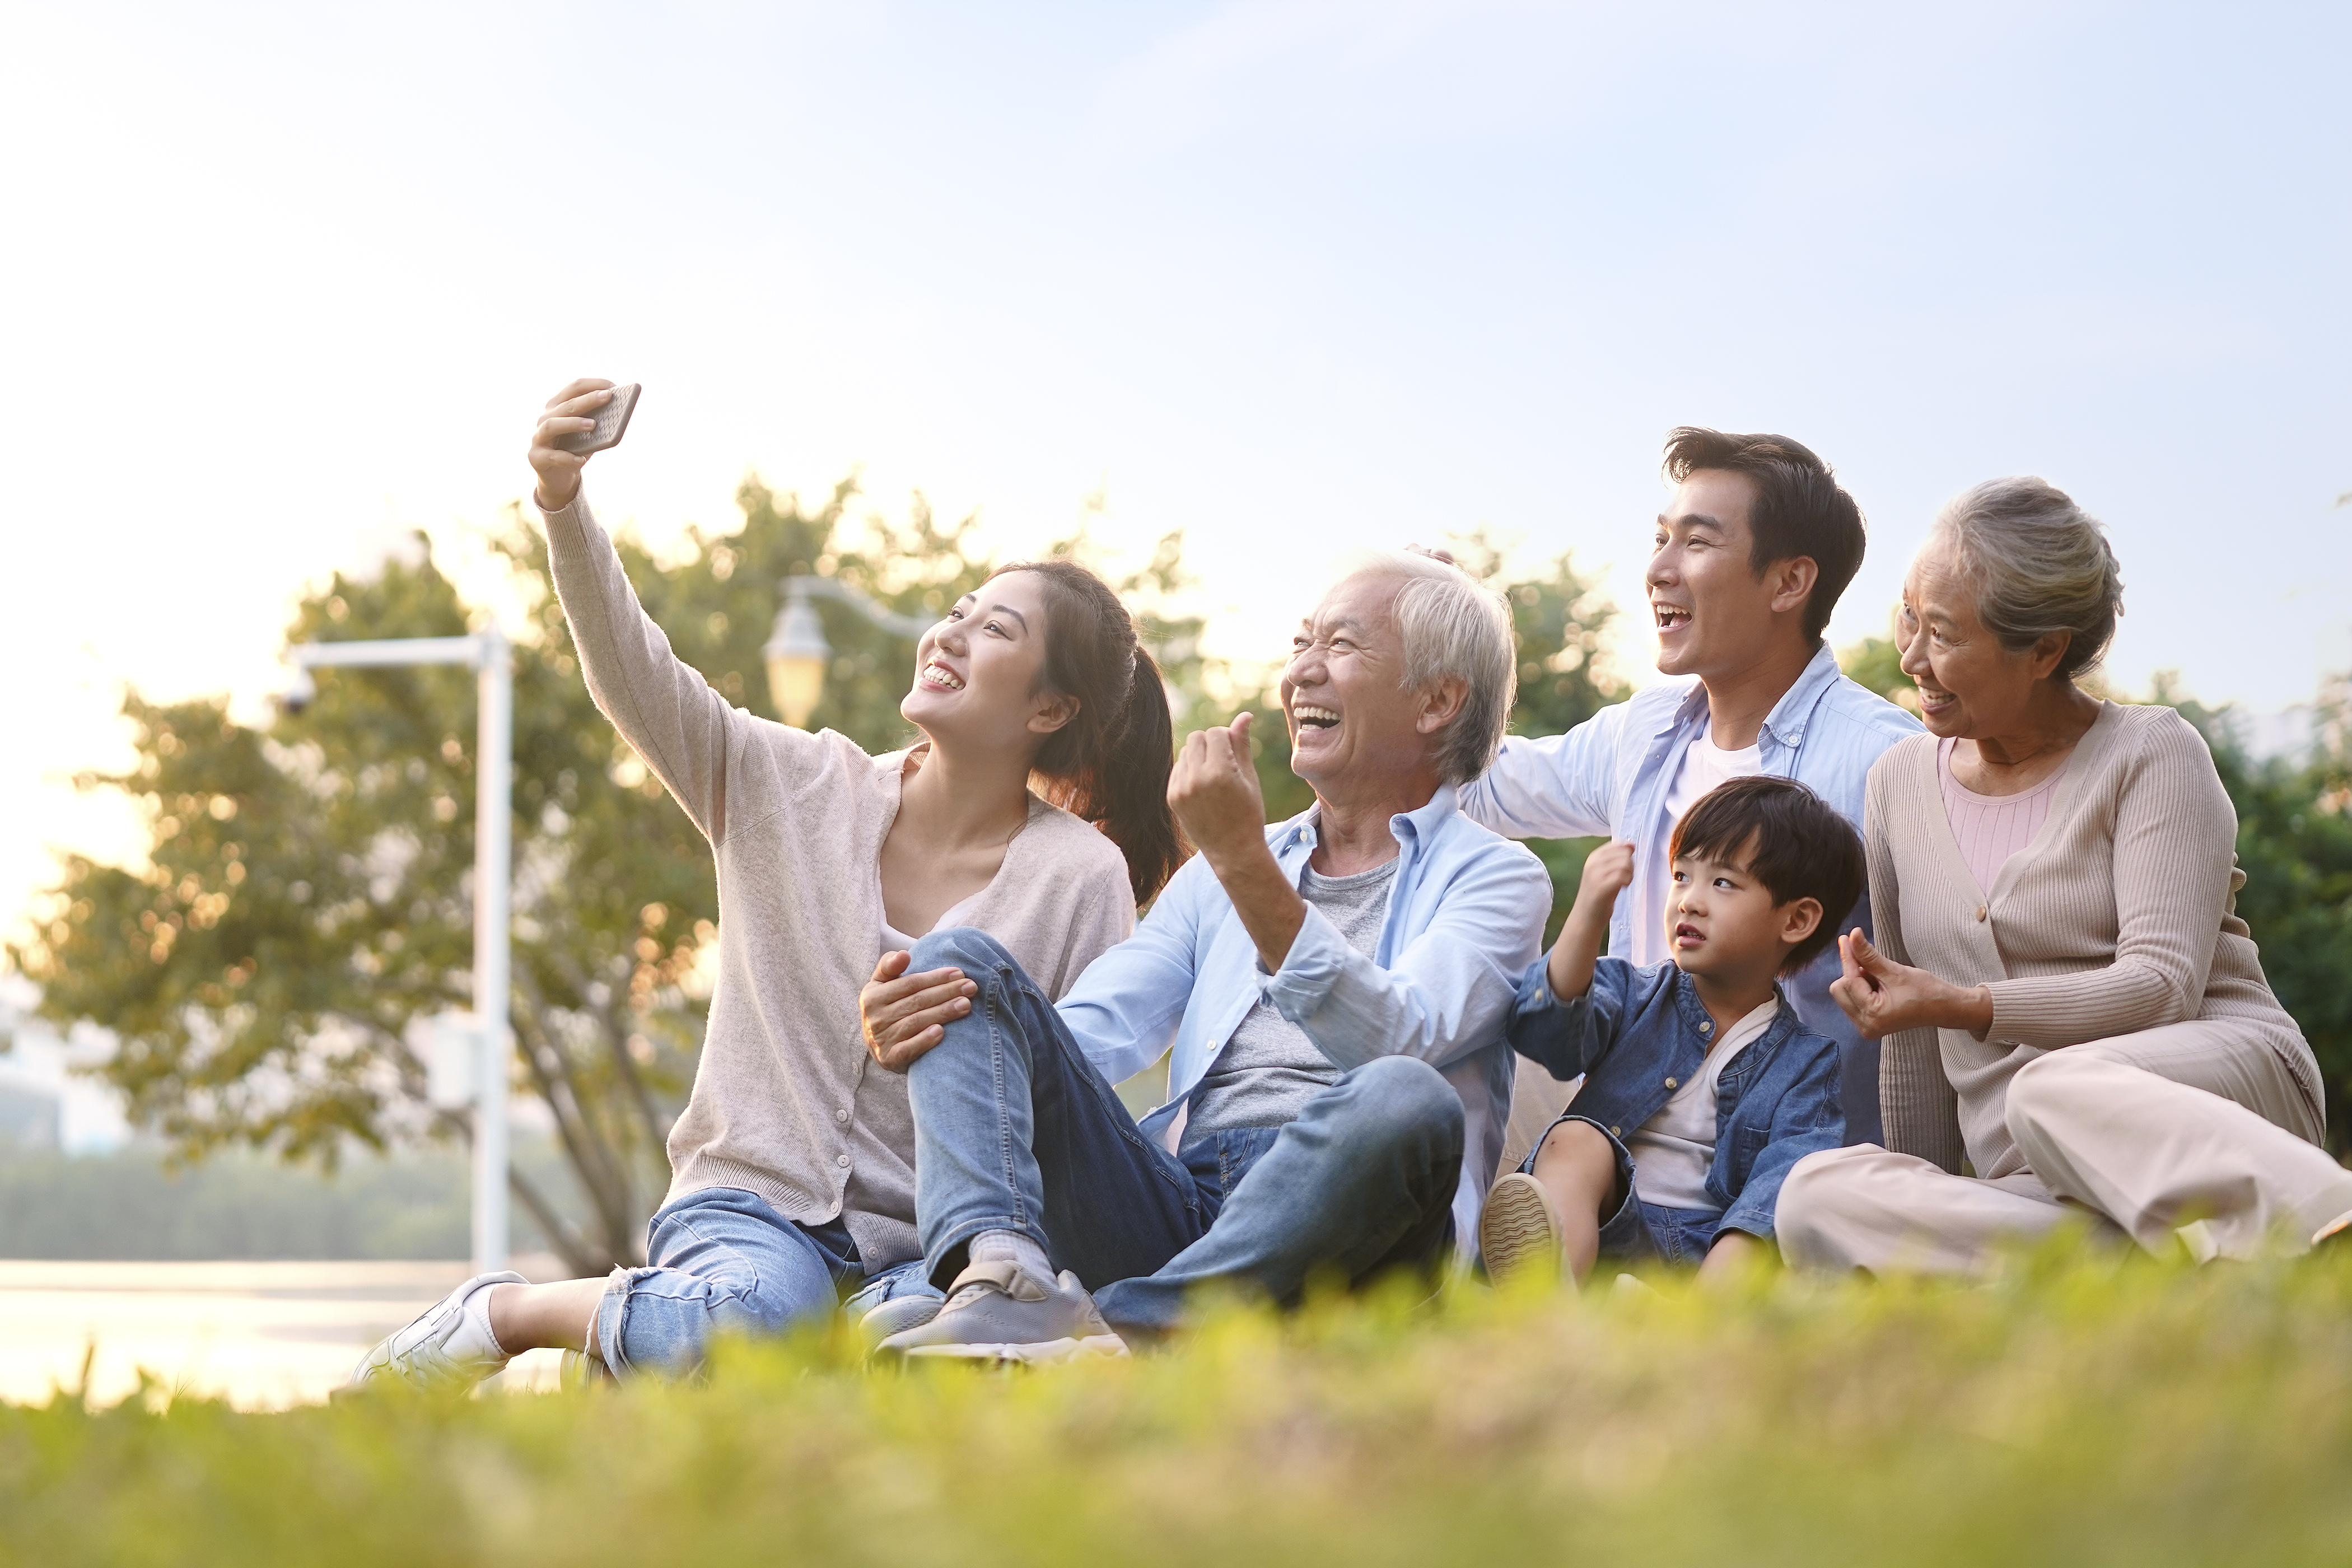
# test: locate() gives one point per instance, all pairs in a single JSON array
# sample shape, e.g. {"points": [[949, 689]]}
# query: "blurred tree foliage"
{"points": [[1559, 618], [307, 905], [1876, 663]]}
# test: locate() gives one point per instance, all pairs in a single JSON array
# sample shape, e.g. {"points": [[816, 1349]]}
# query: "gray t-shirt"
{"points": [[1270, 1069]]}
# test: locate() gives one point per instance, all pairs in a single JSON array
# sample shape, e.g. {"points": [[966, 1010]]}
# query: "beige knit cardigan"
{"points": [[2118, 916], [786, 1103]]}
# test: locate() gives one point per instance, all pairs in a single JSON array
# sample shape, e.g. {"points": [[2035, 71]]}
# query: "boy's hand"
{"points": [[1733, 1256], [1608, 871]]}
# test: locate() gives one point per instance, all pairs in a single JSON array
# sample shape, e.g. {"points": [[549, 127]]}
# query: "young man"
{"points": [[1701, 1087], [1754, 544]]}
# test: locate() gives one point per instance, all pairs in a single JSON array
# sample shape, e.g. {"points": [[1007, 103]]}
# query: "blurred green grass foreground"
{"points": [[2076, 1411]]}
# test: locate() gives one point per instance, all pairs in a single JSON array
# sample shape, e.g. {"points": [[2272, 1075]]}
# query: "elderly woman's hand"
{"points": [[1884, 998]]}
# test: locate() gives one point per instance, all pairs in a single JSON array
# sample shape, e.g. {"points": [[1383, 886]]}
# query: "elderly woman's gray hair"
{"points": [[2040, 564], [1451, 627]]}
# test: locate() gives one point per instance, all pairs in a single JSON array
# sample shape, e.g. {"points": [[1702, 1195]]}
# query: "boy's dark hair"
{"points": [[1801, 849], [1800, 509]]}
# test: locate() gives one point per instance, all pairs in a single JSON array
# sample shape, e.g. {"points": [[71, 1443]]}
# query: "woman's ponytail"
{"points": [[1110, 764]]}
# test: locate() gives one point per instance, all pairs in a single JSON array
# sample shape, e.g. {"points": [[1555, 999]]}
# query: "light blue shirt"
{"points": [[1464, 919], [1610, 775]]}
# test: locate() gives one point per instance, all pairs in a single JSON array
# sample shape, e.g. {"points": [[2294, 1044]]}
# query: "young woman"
{"points": [[792, 1179]]}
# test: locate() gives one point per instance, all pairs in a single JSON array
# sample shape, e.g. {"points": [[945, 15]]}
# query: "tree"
{"points": [[306, 900]]}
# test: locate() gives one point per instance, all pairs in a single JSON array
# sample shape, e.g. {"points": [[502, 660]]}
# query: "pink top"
{"points": [[1989, 828]]}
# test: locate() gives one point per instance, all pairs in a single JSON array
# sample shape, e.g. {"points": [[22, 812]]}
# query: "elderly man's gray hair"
{"points": [[1452, 628], [2039, 563]]}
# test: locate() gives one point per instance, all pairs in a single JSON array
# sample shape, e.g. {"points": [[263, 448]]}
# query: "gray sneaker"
{"points": [[441, 1348], [899, 1314], [1000, 1312]]}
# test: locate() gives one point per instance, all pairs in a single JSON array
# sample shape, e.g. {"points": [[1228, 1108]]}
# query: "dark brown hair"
{"points": [[1110, 764], [1800, 509], [1796, 843]]}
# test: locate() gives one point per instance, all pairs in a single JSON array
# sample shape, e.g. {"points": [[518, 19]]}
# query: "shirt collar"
{"points": [[1786, 722], [1411, 827]]}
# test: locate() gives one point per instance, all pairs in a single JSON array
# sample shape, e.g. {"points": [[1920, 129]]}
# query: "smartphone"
{"points": [[612, 423]]}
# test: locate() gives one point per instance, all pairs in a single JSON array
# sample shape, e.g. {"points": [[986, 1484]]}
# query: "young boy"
{"points": [[1701, 1087]]}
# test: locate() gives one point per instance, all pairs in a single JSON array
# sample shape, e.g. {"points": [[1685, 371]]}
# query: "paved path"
{"points": [[263, 1335]]}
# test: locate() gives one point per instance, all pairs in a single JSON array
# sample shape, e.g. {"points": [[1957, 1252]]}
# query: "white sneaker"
{"points": [[450, 1345]]}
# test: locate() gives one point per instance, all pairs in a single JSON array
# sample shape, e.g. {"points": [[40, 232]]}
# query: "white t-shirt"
{"points": [[1674, 1149], [1703, 767]]}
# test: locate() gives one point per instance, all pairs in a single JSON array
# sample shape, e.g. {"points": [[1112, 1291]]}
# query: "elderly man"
{"points": [[1335, 987]]}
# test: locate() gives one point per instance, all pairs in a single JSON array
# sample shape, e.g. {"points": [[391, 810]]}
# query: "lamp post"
{"points": [[490, 657], [797, 654]]}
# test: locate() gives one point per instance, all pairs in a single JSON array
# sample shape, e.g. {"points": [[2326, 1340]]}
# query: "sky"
{"points": [[283, 283]]}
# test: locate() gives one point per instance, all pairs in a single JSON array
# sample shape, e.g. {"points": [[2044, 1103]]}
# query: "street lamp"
{"points": [[491, 658], [797, 654]]}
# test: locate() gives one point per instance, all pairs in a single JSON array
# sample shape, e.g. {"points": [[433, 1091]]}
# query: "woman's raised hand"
{"points": [[568, 412], [1884, 998]]}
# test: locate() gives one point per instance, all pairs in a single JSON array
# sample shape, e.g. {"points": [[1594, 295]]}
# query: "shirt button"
{"points": [[1670, 1083], [842, 1161], [841, 1114]]}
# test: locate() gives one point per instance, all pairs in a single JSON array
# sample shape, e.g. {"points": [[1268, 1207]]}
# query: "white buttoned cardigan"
{"points": [[786, 1103], [2118, 916]]}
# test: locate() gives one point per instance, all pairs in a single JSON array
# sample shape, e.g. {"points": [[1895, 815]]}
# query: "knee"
{"points": [[1576, 1142], [967, 948], [1811, 1197], [1399, 1099], [2049, 1091]]}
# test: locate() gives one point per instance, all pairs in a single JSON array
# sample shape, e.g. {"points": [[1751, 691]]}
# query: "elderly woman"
{"points": [[2067, 999]]}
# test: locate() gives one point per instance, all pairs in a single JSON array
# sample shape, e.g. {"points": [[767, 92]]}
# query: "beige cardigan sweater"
{"points": [[2118, 916], [786, 1103]]}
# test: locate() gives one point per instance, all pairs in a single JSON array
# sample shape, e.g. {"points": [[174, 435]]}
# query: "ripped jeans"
{"points": [[722, 1259]]}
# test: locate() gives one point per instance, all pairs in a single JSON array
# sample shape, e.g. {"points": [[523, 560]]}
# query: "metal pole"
{"points": [[492, 658], [493, 900]]}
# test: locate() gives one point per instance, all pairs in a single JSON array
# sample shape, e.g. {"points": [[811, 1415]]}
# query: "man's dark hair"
{"points": [[1796, 843], [1800, 509]]}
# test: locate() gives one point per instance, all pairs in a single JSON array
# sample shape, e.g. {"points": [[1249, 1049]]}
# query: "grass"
{"points": [[2078, 1412]]}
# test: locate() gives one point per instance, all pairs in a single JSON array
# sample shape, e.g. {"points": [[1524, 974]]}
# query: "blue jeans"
{"points": [[722, 1258], [1642, 1232], [1015, 1130]]}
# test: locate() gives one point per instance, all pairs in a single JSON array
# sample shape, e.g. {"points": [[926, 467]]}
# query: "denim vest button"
{"points": [[1706, 1028], [1670, 1083]]}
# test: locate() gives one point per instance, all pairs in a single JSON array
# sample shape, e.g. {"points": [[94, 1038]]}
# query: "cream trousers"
{"points": [[2194, 1135]]}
